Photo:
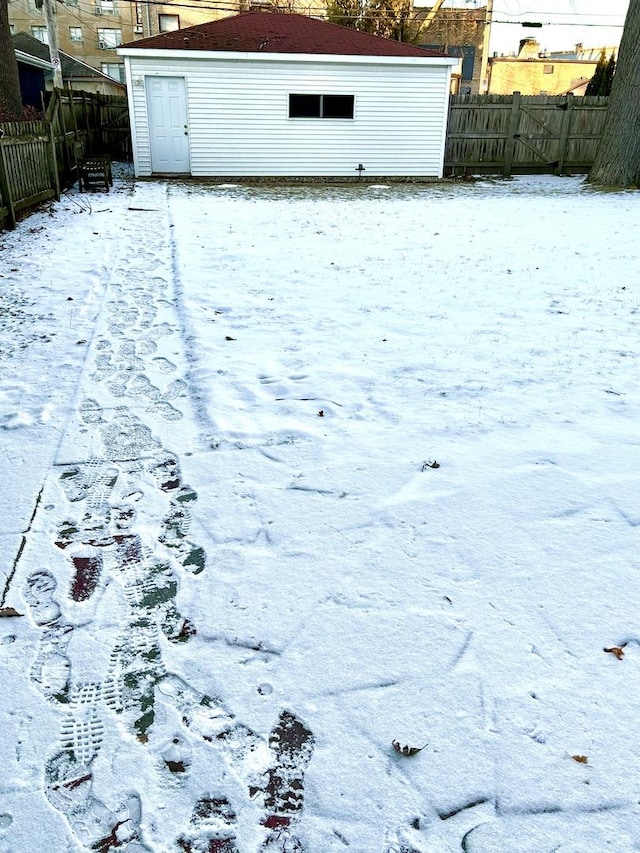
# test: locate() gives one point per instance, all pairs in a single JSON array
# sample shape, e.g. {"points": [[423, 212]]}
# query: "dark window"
{"points": [[321, 106], [337, 106], [304, 106]]}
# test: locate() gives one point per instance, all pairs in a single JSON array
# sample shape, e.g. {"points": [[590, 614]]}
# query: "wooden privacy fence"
{"points": [[38, 157], [99, 123], [516, 134], [28, 168], [487, 134]]}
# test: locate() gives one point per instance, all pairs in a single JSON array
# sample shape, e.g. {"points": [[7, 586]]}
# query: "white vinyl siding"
{"points": [[239, 123]]}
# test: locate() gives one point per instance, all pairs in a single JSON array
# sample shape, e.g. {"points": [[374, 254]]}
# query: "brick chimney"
{"points": [[529, 49]]}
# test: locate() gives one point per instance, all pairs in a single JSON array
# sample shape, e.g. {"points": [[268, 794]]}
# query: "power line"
{"points": [[561, 24], [85, 18], [461, 17], [321, 12], [536, 12]]}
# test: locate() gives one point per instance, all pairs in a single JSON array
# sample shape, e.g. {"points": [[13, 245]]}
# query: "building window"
{"points": [[321, 106], [168, 23], [40, 33], [109, 38], [113, 69], [106, 7], [548, 69], [75, 33]]}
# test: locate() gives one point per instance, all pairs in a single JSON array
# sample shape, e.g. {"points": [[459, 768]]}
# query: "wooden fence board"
{"points": [[9, 211]]}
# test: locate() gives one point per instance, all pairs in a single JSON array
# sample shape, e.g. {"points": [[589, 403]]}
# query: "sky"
{"points": [[320, 512], [565, 22]]}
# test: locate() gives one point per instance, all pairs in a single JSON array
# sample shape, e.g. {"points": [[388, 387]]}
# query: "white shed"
{"points": [[265, 94]]}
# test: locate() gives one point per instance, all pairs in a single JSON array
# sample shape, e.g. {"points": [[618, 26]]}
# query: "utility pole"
{"points": [[486, 38], [49, 8]]}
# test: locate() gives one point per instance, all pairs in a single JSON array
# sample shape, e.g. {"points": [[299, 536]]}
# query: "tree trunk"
{"points": [[10, 98], [617, 162]]}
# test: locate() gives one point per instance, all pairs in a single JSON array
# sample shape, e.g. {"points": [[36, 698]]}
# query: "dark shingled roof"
{"points": [[269, 32]]}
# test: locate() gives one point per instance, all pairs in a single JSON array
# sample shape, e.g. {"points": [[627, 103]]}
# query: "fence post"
{"points": [[564, 134], [74, 127], [100, 120], [63, 126], [510, 143], [53, 162], [55, 135], [5, 190], [88, 148]]}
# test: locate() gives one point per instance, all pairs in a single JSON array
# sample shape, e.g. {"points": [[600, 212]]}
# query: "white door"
{"points": [[168, 130]]}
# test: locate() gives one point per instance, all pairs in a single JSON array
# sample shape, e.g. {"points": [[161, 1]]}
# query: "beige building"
{"points": [[89, 30], [533, 72], [167, 18], [92, 30], [159, 18]]}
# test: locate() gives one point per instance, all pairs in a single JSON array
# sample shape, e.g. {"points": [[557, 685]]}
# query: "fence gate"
{"points": [[516, 134]]}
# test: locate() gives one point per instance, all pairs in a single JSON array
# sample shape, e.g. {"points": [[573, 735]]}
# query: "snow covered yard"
{"points": [[292, 474]]}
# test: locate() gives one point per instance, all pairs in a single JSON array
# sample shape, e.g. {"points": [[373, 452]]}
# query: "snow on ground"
{"points": [[292, 474]]}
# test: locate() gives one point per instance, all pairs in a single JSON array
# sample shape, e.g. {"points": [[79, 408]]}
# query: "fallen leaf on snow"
{"points": [[406, 750], [581, 759], [9, 611], [616, 650]]}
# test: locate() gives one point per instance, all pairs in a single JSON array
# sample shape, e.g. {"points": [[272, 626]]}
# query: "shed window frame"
{"points": [[313, 106]]}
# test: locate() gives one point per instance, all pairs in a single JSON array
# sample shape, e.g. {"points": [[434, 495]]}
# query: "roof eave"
{"points": [[28, 59], [263, 56]]}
